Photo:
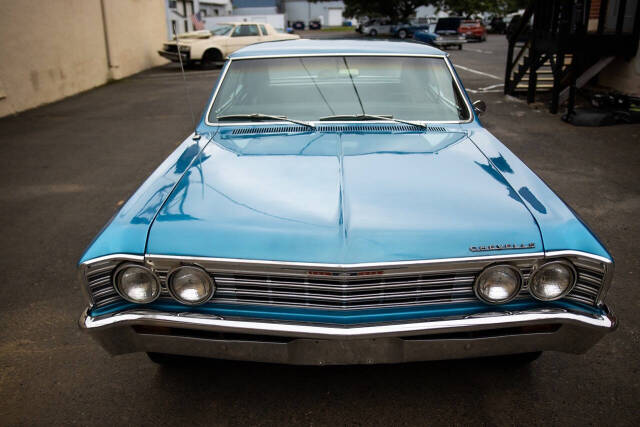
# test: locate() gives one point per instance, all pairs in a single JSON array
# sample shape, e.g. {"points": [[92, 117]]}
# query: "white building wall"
{"points": [[306, 11], [181, 15], [255, 11], [216, 8]]}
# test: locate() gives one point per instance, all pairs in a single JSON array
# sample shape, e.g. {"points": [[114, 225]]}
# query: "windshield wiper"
{"points": [[370, 117], [259, 116]]}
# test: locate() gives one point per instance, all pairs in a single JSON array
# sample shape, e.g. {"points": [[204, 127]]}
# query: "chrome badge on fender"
{"points": [[504, 247]]}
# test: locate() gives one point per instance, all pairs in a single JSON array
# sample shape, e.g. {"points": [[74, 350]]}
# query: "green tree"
{"points": [[476, 7], [397, 10], [402, 10]]}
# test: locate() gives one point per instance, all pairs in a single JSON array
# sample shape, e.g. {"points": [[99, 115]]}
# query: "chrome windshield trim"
{"points": [[327, 54], [323, 331], [444, 57]]}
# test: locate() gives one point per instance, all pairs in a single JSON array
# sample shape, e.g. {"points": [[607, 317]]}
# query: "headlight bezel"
{"points": [[116, 282], [207, 278], [569, 288], [490, 268]]}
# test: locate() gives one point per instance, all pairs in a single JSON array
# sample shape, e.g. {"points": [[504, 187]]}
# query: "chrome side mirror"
{"points": [[479, 107]]}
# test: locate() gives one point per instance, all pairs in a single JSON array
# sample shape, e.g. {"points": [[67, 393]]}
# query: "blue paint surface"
{"points": [[342, 198], [126, 233]]}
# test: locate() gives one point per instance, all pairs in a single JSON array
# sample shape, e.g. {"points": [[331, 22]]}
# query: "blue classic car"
{"points": [[340, 203]]}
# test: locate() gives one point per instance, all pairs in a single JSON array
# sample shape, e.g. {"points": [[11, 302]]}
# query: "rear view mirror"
{"points": [[479, 107]]}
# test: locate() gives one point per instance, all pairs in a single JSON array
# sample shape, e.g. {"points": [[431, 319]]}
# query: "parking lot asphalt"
{"points": [[67, 167]]}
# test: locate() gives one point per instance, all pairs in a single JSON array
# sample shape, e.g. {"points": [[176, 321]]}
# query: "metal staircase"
{"points": [[544, 79], [560, 45]]}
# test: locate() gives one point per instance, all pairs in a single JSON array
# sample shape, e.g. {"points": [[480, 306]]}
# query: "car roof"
{"points": [[339, 47]]}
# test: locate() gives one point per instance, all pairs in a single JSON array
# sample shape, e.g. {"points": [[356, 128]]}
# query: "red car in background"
{"points": [[473, 30]]}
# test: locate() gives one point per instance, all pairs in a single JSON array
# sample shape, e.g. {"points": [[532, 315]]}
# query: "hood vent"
{"points": [[337, 128]]}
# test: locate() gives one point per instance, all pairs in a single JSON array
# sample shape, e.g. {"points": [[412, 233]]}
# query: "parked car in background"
{"points": [[315, 25], [211, 47], [513, 25], [404, 31], [473, 30], [445, 35], [340, 203], [377, 27], [298, 25], [497, 25]]}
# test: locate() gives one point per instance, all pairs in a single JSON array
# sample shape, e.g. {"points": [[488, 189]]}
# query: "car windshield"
{"points": [[221, 30], [311, 88]]}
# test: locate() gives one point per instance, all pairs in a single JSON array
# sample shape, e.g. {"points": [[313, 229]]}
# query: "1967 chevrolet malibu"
{"points": [[340, 203]]}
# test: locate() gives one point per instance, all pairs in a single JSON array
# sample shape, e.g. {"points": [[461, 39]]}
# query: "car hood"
{"points": [[341, 198]]}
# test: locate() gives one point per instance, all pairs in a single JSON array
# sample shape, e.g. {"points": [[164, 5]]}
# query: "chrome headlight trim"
{"points": [[569, 288], [488, 270], [121, 268], [209, 282]]}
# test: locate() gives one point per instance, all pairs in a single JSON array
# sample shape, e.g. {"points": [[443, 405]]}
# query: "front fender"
{"points": [[126, 232], [198, 50]]}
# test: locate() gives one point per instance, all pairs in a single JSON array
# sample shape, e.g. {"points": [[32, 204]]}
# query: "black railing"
{"points": [[552, 31]]}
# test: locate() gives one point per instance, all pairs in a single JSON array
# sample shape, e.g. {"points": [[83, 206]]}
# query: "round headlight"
{"points": [[191, 285], [498, 284], [136, 283], [552, 281]]}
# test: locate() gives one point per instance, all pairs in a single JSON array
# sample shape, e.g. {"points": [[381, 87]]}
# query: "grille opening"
{"points": [[489, 333], [350, 292], [208, 335]]}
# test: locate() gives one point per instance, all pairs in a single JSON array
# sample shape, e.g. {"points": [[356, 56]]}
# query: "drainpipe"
{"points": [[106, 40]]}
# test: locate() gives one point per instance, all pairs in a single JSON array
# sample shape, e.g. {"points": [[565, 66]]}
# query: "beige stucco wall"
{"points": [[622, 75], [136, 30], [50, 49]]}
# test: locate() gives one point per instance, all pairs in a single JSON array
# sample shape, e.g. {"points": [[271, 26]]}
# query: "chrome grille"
{"points": [[100, 282], [588, 286], [335, 293], [331, 289]]}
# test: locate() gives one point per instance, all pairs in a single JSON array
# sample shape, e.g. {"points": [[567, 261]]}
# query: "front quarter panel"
{"points": [[560, 227], [126, 233]]}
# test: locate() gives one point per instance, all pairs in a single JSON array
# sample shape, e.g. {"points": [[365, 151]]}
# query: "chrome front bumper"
{"points": [[449, 42], [315, 344], [173, 56]]}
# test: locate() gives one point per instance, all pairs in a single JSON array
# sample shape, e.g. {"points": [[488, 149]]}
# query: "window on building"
{"points": [[629, 16], [172, 4], [186, 26], [174, 26]]}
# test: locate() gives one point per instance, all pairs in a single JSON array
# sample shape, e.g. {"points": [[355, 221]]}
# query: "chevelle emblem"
{"points": [[502, 247]]}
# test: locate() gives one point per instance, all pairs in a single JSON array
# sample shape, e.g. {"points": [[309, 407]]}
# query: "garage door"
{"points": [[335, 17]]}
